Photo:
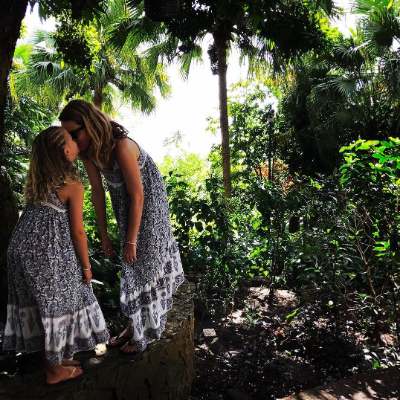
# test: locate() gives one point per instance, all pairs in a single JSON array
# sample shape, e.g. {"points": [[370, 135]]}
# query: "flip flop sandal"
{"points": [[124, 350], [118, 341]]}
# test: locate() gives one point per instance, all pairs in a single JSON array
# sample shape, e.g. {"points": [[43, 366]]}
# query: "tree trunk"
{"points": [[12, 14], [221, 43], [98, 97], [9, 217]]}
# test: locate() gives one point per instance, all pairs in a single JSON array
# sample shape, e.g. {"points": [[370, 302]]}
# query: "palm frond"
{"points": [[380, 21], [188, 57], [366, 6], [344, 86], [138, 97]]}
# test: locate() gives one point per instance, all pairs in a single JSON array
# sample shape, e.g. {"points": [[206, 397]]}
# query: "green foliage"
{"points": [[21, 55], [84, 9], [371, 178], [348, 90], [280, 28], [25, 117], [90, 219], [189, 165], [380, 21], [218, 239], [106, 270], [334, 235], [72, 35]]}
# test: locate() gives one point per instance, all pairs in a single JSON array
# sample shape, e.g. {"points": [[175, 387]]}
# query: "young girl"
{"points": [[51, 305], [151, 270]]}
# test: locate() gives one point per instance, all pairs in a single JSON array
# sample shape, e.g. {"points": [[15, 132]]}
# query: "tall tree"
{"points": [[275, 30]]}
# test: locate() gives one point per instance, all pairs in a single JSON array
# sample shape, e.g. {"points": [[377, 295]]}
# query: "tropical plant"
{"points": [[331, 98], [379, 20], [100, 75]]}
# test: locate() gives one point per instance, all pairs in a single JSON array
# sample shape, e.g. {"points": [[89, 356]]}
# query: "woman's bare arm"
{"points": [[126, 153], [73, 193]]}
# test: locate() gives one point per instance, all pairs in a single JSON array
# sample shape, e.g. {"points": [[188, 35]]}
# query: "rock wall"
{"points": [[163, 372]]}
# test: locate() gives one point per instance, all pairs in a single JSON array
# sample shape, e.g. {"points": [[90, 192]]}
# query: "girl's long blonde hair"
{"points": [[49, 169], [102, 131]]}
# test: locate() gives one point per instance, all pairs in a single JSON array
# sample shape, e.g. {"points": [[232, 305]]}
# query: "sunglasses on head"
{"points": [[74, 133]]}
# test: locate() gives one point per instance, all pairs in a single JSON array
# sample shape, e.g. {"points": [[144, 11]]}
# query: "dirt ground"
{"points": [[262, 351]]}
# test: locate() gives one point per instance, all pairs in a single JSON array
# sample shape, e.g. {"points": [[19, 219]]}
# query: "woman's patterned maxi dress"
{"points": [[148, 284], [49, 307]]}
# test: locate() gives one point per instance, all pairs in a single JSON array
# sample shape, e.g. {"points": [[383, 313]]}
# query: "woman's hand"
{"points": [[87, 275], [107, 247], [129, 252]]}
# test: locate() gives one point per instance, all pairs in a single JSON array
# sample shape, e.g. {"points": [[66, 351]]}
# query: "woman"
{"points": [[151, 268]]}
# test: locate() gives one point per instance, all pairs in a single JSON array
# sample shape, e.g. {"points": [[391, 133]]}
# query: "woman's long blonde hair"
{"points": [[49, 169], [100, 128]]}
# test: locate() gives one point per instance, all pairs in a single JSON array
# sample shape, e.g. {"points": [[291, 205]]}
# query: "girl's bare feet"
{"points": [[121, 339], [59, 373]]}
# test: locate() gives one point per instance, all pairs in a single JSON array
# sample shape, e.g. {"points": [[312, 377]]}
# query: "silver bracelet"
{"points": [[132, 243]]}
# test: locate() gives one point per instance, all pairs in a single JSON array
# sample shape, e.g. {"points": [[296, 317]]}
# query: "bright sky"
{"points": [[191, 102]]}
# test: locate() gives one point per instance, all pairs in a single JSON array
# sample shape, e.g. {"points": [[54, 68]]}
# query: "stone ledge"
{"points": [[163, 371]]}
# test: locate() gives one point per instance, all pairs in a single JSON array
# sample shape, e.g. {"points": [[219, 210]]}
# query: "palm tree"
{"points": [[11, 16], [259, 30], [45, 75], [111, 72]]}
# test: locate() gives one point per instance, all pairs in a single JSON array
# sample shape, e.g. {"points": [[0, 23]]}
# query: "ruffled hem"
{"points": [[148, 310], [60, 337]]}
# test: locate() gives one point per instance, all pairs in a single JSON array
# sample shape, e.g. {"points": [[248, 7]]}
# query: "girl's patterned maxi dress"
{"points": [[148, 284], [49, 307]]}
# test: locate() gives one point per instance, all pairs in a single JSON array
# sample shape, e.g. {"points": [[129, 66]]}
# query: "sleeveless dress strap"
{"points": [[53, 206], [55, 203]]}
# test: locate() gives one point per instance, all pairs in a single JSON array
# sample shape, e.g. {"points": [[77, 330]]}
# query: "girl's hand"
{"points": [[87, 275], [107, 247], [129, 252]]}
